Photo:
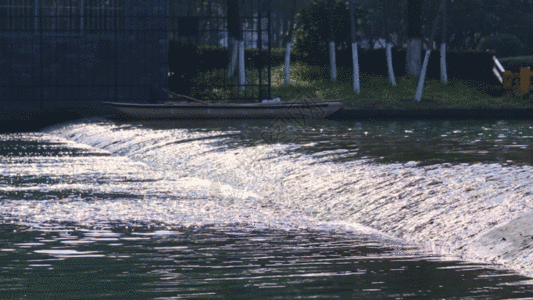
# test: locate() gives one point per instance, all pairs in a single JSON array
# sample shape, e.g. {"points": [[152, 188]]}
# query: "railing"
{"points": [[64, 16]]}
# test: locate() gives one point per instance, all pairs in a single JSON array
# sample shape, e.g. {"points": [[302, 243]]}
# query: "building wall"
{"points": [[43, 71]]}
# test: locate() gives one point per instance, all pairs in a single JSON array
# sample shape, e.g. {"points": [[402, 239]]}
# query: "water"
{"points": [[267, 210]]}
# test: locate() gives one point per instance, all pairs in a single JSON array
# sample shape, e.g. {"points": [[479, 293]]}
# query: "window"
{"points": [[68, 16]]}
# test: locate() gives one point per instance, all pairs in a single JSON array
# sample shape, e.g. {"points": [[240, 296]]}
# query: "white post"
{"points": [[389, 65], [443, 72], [332, 60], [418, 95], [355, 60], [242, 75], [287, 63]]}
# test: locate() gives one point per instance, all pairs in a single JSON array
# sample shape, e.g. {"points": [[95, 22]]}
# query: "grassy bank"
{"points": [[376, 92]]}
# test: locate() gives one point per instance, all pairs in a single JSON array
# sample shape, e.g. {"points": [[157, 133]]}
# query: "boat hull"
{"points": [[310, 110]]}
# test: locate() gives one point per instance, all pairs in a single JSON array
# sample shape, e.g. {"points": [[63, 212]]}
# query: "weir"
{"points": [[475, 211], [333, 177]]}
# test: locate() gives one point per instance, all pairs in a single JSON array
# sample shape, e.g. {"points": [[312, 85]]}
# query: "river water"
{"points": [[300, 209]]}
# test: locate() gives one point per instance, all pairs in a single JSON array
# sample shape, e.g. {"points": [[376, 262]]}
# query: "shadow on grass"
{"points": [[313, 82]]}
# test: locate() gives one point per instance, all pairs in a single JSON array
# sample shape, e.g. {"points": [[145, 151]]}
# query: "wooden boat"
{"points": [[184, 110]]}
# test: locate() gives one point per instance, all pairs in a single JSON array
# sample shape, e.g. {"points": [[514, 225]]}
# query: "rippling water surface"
{"points": [[267, 210]]}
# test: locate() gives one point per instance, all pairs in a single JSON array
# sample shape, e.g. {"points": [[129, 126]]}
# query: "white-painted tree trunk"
{"points": [[389, 65], [414, 47], [242, 74], [443, 73], [233, 61], [287, 63], [332, 60], [418, 95], [355, 60]]}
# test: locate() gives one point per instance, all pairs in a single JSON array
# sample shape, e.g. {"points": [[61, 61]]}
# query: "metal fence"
{"points": [[62, 16], [54, 52], [212, 82]]}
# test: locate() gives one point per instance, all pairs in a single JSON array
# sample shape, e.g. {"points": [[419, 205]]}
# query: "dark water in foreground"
{"points": [[209, 263], [99, 210]]}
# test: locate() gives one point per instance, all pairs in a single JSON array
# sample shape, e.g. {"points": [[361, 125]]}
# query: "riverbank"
{"points": [[25, 122], [348, 113]]}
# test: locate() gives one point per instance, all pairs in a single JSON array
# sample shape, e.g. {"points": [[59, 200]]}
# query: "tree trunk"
{"points": [[234, 55], [332, 60], [389, 65], [418, 96], [355, 58], [288, 42], [443, 71], [414, 35], [287, 63], [242, 73], [234, 30]]}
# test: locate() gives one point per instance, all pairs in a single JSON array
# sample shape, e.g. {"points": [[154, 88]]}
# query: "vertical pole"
{"points": [[116, 59], [82, 15], [36, 15], [242, 75], [41, 83], [269, 51], [260, 46]]}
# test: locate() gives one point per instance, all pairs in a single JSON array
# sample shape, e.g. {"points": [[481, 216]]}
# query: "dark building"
{"points": [[78, 53]]}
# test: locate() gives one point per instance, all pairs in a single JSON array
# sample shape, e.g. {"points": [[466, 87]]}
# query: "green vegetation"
{"points": [[312, 82]]}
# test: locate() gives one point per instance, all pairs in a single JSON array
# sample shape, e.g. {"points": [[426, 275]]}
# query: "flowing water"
{"points": [[267, 210]]}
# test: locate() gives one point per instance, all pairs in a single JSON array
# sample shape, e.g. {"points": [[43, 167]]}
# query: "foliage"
{"points": [[312, 26], [505, 45]]}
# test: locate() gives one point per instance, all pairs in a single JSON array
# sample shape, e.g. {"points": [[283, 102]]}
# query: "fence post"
{"points": [[242, 75]]}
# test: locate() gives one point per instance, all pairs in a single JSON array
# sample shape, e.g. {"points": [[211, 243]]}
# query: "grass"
{"points": [[312, 82]]}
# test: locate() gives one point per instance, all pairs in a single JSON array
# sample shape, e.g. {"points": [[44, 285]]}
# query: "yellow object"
{"points": [[508, 78], [525, 80], [519, 82]]}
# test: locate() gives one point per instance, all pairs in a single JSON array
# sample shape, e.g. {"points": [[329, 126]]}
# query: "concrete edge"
{"points": [[27, 121], [431, 113]]}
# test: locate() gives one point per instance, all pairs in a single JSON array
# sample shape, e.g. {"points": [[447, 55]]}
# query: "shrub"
{"points": [[505, 45]]}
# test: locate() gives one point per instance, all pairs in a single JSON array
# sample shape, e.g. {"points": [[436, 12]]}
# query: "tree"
{"points": [[414, 35], [331, 38], [288, 41], [313, 27], [355, 58], [418, 95], [235, 31], [443, 71]]}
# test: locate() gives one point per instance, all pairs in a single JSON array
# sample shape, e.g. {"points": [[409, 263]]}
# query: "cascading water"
{"points": [[331, 177], [201, 177]]}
